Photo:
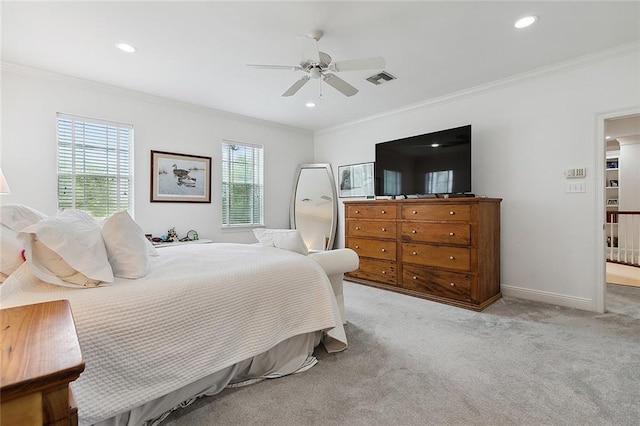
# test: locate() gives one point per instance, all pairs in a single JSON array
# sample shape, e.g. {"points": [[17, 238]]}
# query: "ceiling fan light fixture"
{"points": [[525, 22], [315, 72]]}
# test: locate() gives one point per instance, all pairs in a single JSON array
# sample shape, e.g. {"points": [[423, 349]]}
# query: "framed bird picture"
{"points": [[180, 178]]}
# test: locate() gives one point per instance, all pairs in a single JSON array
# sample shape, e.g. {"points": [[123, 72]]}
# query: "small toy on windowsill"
{"points": [[172, 236]]}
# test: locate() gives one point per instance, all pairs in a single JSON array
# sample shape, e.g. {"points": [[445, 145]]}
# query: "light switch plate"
{"points": [[576, 187]]}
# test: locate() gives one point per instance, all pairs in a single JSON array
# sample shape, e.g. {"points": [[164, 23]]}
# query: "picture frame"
{"points": [[356, 180], [180, 178], [612, 202]]}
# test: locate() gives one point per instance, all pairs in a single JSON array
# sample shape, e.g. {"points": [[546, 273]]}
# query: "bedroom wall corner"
{"points": [[31, 99], [525, 134]]}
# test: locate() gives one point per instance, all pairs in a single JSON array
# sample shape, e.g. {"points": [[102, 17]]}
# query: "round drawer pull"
{"points": [[451, 258], [414, 212], [452, 234], [415, 253], [357, 247], [414, 232], [452, 213], [383, 229], [452, 284], [384, 272], [384, 250], [357, 228], [357, 211], [415, 278], [384, 212]]}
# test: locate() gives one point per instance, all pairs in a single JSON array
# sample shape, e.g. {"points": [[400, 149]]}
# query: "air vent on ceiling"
{"points": [[380, 78]]}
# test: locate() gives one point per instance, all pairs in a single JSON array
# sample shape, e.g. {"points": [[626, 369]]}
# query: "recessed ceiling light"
{"points": [[526, 21], [310, 104], [607, 137], [126, 47]]}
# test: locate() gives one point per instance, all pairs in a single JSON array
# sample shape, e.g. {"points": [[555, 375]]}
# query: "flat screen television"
{"points": [[433, 164]]}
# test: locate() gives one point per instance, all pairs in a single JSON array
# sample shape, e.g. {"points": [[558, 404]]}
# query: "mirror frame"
{"points": [[334, 193]]}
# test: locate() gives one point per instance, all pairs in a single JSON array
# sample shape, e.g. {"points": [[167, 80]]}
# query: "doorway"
{"points": [[621, 180]]}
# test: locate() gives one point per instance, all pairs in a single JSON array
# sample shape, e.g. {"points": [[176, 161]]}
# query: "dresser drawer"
{"points": [[457, 212], [379, 211], [380, 271], [437, 282], [448, 233], [458, 258], [374, 229], [379, 249]]}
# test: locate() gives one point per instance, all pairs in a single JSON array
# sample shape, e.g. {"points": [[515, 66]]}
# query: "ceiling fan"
{"points": [[319, 65]]}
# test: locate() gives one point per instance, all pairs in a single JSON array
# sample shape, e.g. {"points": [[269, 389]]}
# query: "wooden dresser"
{"points": [[40, 356], [442, 249]]}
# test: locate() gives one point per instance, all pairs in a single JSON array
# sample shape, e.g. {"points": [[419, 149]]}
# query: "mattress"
{"points": [[201, 309]]}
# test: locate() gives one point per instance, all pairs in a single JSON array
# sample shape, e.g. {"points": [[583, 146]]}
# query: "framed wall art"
{"points": [[356, 180], [180, 178]]}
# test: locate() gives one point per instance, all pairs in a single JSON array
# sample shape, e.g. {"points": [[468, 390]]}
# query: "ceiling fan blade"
{"points": [[374, 63], [296, 86], [276, 67], [340, 85], [309, 48]]}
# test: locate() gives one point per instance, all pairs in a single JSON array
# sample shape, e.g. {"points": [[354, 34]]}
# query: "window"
{"points": [[242, 185], [94, 165]]}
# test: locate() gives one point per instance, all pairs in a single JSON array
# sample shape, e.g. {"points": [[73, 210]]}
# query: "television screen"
{"points": [[434, 163]]}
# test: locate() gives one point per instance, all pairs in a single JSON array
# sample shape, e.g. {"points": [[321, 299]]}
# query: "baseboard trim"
{"points": [[547, 297]]}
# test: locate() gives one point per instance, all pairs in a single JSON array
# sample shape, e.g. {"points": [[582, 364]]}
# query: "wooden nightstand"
{"points": [[40, 356]]}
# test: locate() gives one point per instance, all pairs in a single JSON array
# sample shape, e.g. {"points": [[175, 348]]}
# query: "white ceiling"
{"points": [[197, 51]]}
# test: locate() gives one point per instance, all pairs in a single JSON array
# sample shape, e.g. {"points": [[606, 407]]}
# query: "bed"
{"points": [[204, 317]]}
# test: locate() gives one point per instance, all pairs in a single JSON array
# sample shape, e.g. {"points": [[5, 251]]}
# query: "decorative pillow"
{"points": [[286, 239], [75, 238], [127, 247], [17, 216], [10, 252]]}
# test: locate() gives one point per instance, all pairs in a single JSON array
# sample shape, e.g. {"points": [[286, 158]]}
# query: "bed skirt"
{"points": [[290, 356]]}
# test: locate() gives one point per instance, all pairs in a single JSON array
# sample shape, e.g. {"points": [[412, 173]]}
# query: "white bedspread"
{"points": [[201, 308]]}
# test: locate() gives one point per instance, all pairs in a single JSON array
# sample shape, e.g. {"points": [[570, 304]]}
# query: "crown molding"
{"points": [[555, 69], [140, 96], [629, 140]]}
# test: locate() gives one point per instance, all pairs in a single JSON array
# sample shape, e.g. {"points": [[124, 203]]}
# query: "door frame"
{"points": [[600, 296]]}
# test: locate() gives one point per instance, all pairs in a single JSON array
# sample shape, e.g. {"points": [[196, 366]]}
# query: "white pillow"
{"points": [[127, 247], [17, 216], [286, 239], [264, 236], [10, 251], [75, 238], [151, 250], [55, 264]]}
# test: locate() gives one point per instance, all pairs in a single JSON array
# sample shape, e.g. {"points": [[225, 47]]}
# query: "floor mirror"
{"points": [[314, 206]]}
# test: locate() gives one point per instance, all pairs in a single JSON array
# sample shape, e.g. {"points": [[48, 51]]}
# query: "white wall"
{"points": [[525, 134], [31, 99]]}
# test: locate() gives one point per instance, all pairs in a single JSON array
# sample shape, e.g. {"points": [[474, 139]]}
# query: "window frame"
{"points": [[124, 163], [226, 172]]}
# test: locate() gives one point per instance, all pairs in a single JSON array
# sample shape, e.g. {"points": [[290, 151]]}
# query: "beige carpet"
{"points": [[415, 362]]}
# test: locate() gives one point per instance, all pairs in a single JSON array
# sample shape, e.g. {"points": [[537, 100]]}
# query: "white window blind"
{"points": [[242, 184], [94, 165]]}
